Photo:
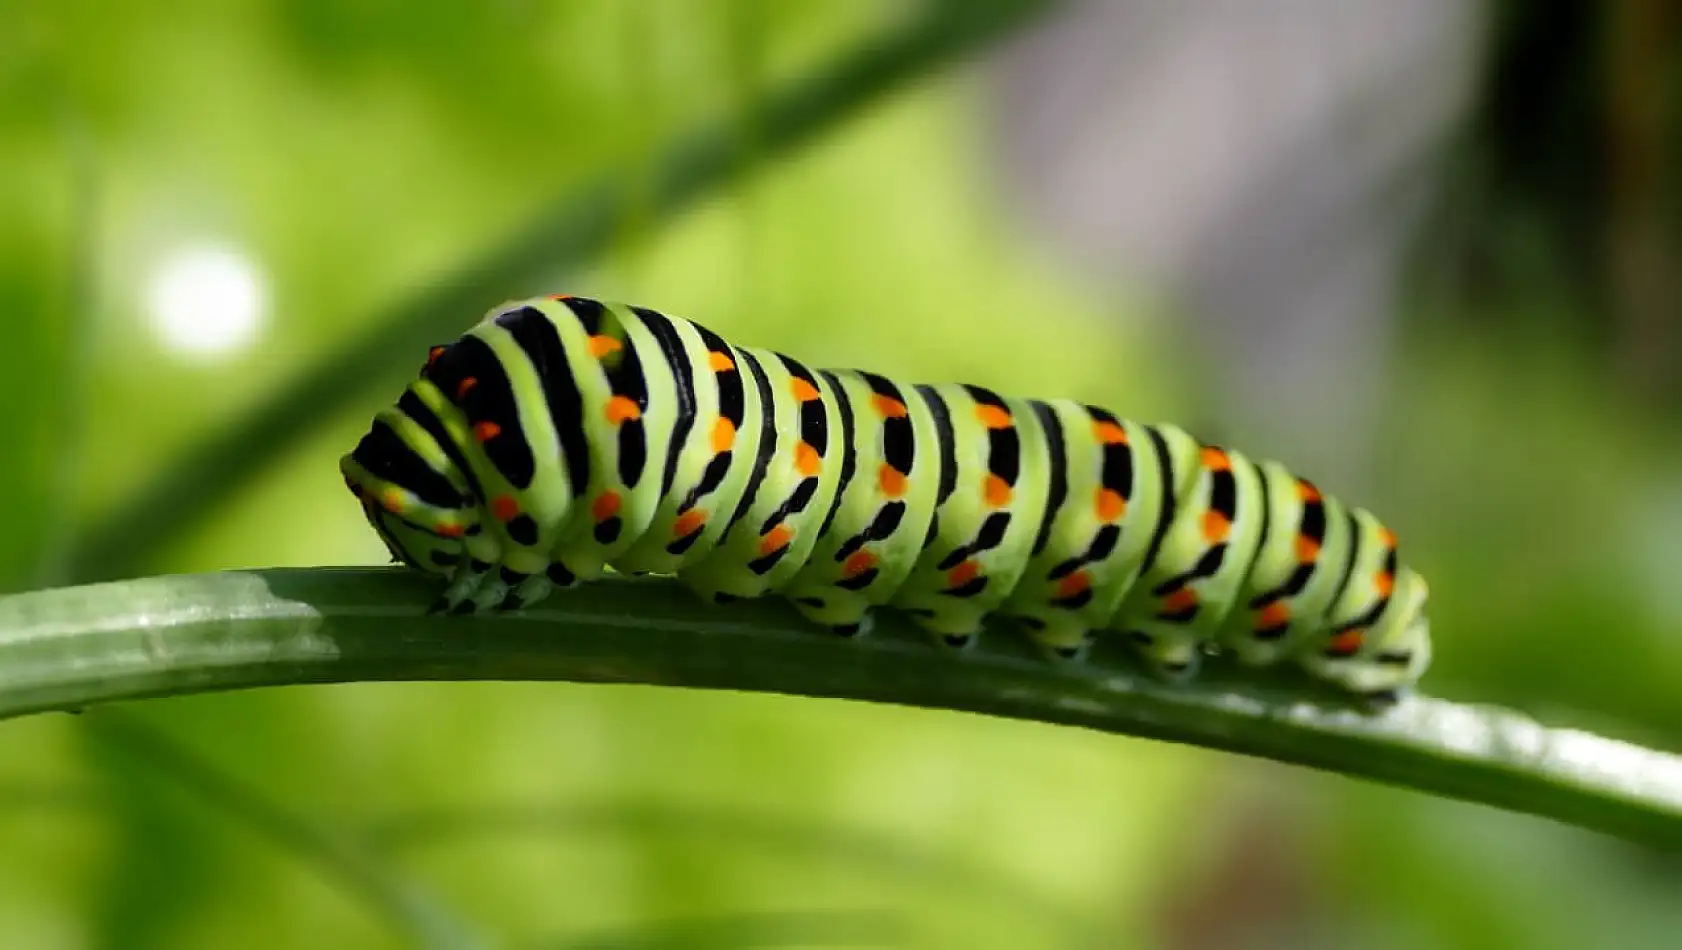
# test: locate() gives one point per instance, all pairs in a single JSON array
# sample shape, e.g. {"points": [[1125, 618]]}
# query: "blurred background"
{"points": [[1426, 251]]}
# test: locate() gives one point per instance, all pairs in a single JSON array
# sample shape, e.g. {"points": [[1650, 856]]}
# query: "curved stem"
{"points": [[68, 648]]}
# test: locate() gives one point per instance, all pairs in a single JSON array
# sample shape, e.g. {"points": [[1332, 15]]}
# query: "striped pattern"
{"points": [[563, 436]]}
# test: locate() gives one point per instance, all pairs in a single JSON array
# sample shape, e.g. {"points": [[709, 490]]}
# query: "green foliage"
{"points": [[146, 901], [398, 170]]}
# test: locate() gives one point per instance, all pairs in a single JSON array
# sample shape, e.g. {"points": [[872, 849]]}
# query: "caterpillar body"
{"points": [[563, 436]]}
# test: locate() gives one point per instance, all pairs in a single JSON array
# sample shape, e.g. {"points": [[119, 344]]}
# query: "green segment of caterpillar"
{"points": [[561, 436]]}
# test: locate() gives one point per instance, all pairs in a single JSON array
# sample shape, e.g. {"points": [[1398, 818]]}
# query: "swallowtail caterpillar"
{"points": [[563, 435]]}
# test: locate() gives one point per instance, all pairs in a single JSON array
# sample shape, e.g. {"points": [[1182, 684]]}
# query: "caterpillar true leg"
{"points": [[462, 594]]}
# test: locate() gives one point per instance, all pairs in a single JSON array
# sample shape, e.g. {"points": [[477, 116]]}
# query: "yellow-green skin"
{"points": [[562, 436]]}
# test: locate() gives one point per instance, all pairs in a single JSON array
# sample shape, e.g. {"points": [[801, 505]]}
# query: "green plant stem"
{"points": [[72, 647], [568, 234]]}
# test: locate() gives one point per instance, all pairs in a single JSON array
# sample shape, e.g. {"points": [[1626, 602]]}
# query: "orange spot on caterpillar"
{"points": [[1385, 583], [996, 490], [688, 523], [888, 407], [803, 389], [892, 480], [1215, 460], [993, 417], [1183, 598], [486, 431], [776, 539], [1272, 615], [724, 434], [505, 508], [605, 506], [1073, 584], [448, 529], [858, 563], [1387, 536], [1306, 491], [1109, 433], [465, 386], [1216, 526], [1110, 504], [621, 409], [720, 362], [601, 346], [392, 500], [1308, 549], [560, 296], [433, 354], [963, 573], [1347, 643], [807, 460]]}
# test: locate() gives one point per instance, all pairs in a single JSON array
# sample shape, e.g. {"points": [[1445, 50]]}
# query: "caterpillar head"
{"points": [[416, 509]]}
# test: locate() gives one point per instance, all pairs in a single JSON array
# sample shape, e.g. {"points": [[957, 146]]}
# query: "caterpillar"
{"points": [[564, 436]]}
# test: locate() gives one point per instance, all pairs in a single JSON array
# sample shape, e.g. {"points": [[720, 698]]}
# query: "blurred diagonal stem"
{"points": [[419, 916], [887, 858], [744, 931], [73, 647], [82, 302], [566, 236]]}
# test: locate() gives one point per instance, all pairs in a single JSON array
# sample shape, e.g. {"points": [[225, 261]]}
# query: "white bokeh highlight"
{"points": [[207, 301]]}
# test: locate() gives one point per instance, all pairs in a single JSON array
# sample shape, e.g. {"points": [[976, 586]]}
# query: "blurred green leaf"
{"points": [[877, 855], [1464, 880], [731, 931], [67, 648], [570, 232], [44, 361], [146, 898], [28, 481], [419, 916], [786, 840]]}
